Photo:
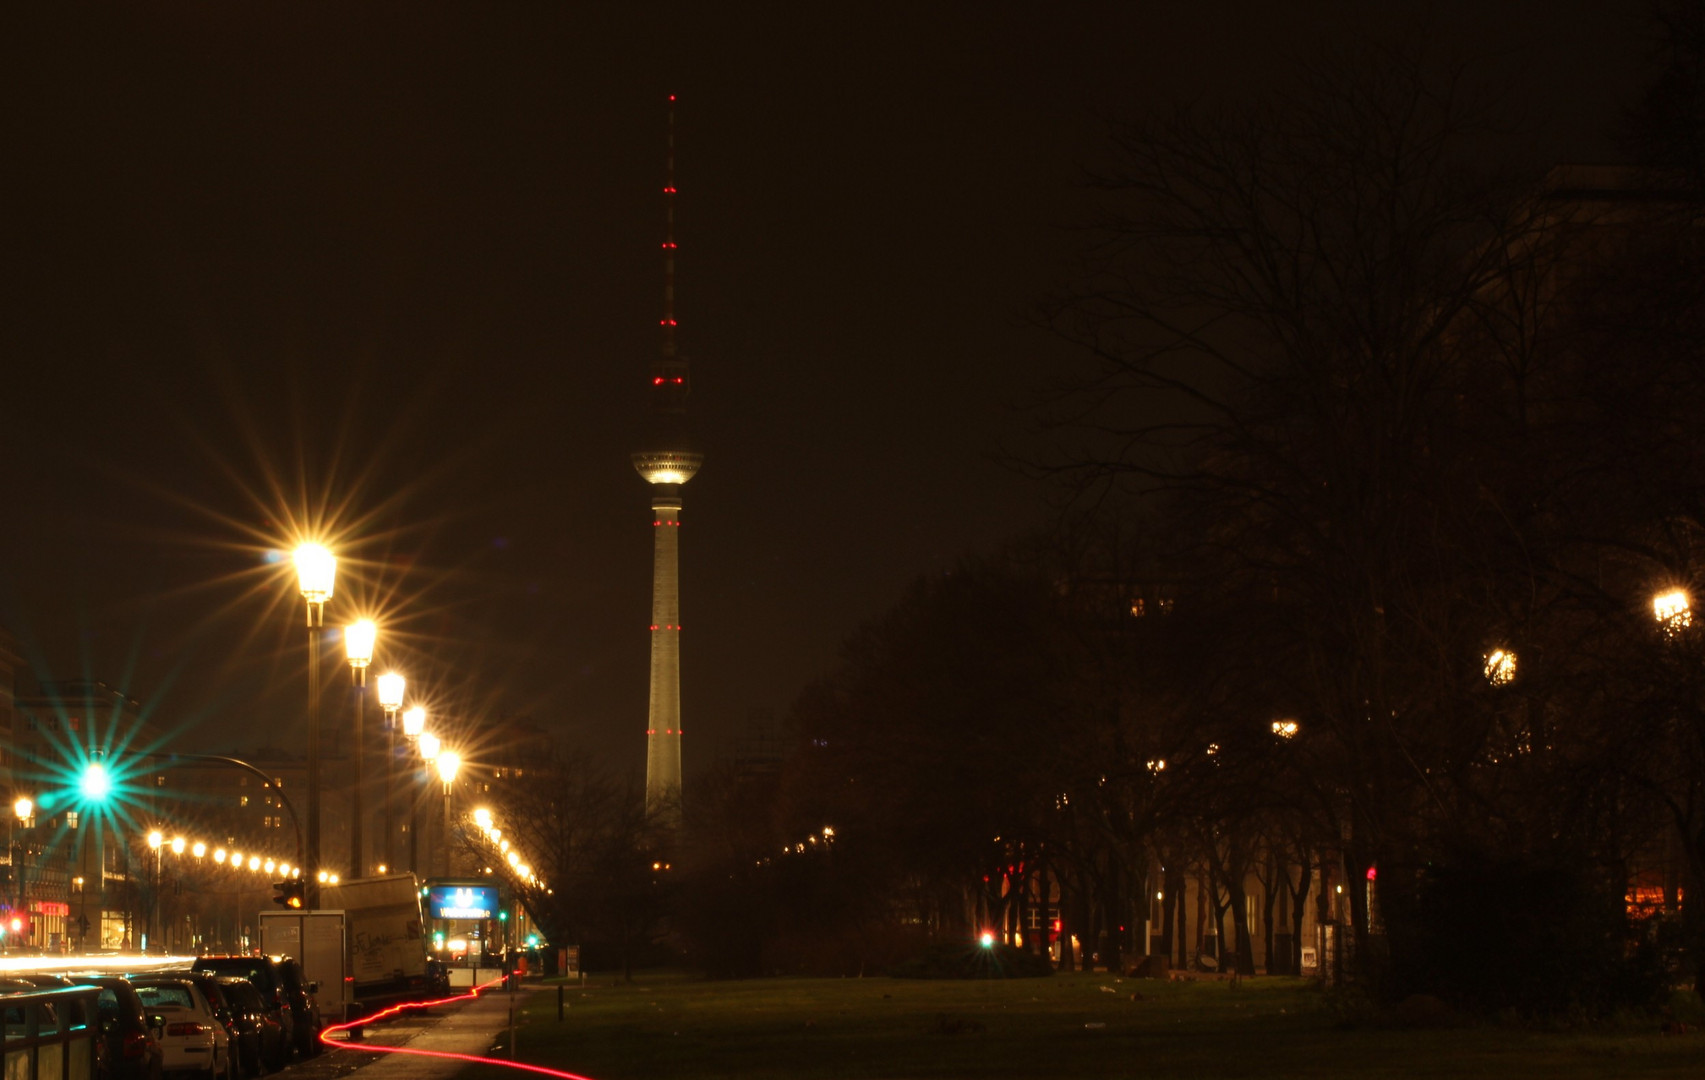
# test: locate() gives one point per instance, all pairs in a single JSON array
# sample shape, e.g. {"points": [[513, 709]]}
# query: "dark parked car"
{"points": [[127, 1032], [268, 976], [262, 1032]]}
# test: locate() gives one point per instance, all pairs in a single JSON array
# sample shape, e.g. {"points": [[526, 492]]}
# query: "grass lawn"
{"points": [[1076, 1025]]}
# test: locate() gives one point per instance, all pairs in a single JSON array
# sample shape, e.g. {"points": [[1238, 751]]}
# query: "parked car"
{"points": [[221, 1004], [262, 1033], [193, 1039], [268, 976], [128, 1033]]}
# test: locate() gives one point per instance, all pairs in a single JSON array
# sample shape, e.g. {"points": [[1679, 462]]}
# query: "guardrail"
{"points": [[52, 1034]]}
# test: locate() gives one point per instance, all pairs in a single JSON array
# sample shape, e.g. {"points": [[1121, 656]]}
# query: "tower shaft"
{"points": [[663, 737]]}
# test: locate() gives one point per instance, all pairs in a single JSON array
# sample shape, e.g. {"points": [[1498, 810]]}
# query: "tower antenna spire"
{"points": [[669, 240]]}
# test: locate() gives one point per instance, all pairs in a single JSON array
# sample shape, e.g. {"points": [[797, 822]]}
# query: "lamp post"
{"points": [[428, 744], [448, 763], [358, 646], [414, 726], [390, 699], [156, 840], [22, 809], [316, 571]]}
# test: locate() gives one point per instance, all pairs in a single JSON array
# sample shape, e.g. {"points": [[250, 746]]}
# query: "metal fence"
{"points": [[52, 1034]]}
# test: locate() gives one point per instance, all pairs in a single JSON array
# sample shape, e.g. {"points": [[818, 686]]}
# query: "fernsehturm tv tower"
{"points": [[667, 462]]}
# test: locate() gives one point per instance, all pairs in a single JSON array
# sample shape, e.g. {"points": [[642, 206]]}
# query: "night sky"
{"points": [[393, 269]]}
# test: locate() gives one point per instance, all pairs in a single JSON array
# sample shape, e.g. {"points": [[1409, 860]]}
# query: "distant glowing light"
{"points": [[1500, 667], [178, 845], [1285, 729], [254, 862], [987, 940], [1673, 609], [155, 839]]}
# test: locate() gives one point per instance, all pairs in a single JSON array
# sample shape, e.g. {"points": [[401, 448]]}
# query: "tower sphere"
{"points": [[667, 466]]}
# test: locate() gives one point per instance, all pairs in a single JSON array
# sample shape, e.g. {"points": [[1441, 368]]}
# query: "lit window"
{"points": [[242, 800]]}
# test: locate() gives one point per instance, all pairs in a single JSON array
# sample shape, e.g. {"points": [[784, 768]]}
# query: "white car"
{"points": [[192, 1039]]}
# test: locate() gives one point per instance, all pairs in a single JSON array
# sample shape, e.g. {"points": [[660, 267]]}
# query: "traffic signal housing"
{"points": [[290, 894]]}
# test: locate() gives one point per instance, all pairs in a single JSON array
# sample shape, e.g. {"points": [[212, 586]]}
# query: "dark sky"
{"points": [[392, 268]]}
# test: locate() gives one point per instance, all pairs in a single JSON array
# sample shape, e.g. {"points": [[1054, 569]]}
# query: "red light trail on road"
{"points": [[386, 1014]]}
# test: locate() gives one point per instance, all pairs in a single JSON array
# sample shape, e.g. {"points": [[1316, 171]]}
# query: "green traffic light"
{"points": [[95, 784], [503, 916]]}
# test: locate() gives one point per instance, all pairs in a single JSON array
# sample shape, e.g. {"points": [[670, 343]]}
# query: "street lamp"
{"points": [[449, 762], [22, 809], [94, 782], [390, 699], [414, 726], [358, 645], [157, 841], [316, 571], [1673, 610]]}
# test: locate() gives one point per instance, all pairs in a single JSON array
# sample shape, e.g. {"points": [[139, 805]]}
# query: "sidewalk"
{"points": [[467, 1028]]}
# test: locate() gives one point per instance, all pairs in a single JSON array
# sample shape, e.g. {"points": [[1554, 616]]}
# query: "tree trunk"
{"points": [[1242, 946], [1299, 913], [1269, 898]]}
